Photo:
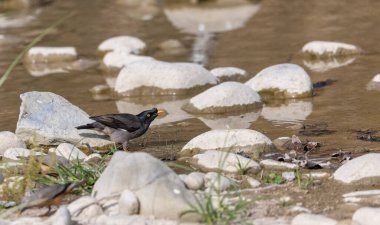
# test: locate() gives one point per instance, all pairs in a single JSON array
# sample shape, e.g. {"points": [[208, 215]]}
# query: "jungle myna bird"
{"points": [[48, 196], [124, 126]]}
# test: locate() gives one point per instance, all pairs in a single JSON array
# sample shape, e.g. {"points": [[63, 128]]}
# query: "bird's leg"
{"points": [[125, 146]]}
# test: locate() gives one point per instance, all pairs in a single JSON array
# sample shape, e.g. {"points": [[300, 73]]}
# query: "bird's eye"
{"points": [[147, 115]]}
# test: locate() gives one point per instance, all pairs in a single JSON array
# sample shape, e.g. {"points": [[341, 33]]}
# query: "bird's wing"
{"points": [[124, 121]]}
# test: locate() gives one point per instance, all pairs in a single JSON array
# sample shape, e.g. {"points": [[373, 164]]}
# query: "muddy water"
{"points": [[249, 35]]}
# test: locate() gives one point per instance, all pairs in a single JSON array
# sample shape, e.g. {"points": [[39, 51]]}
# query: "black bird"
{"points": [[124, 126]]}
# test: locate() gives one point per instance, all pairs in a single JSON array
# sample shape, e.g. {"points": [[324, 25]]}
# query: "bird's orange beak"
{"points": [[161, 112]]}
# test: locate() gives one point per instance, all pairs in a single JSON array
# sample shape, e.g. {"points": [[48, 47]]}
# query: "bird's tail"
{"points": [[87, 126]]}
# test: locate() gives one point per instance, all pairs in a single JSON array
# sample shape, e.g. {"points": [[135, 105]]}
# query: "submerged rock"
{"points": [[151, 77], [312, 219], [9, 140], [172, 46], [330, 48], [295, 111], [225, 97], [365, 166], [366, 216], [126, 44], [248, 141], [117, 60], [150, 180], [49, 119], [282, 81], [374, 84], [229, 74], [50, 55], [213, 160]]}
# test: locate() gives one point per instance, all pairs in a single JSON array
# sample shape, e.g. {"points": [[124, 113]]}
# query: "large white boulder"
{"points": [[9, 140], [49, 119], [225, 97], [282, 81], [214, 160], [366, 216], [125, 44], [329, 48], [159, 190], [365, 166], [151, 77], [117, 60], [50, 54], [234, 140], [229, 73]]}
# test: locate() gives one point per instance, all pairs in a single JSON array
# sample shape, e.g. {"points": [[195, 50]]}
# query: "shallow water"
{"points": [[249, 35]]}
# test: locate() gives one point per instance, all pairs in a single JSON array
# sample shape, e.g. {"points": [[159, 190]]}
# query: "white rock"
{"points": [[47, 119], [270, 221], [289, 176], [216, 182], [118, 60], [282, 81], [29, 221], [374, 84], [293, 112], [61, 217], [194, 180], [182, 177], [172, 46], [234, 140], [279, 142], [229, 73], [128, 203], [276, 165], [70, 152], [300, 209], [362, 193], [125, 44], [51, 54], [151, 77], [18, 153], [122, 220], [329, 48], [312, 219], [226, 162], [253, 182], [364, 166], [225, 97], [150, 180], [376, 78], [9, 140], [366, 216]]}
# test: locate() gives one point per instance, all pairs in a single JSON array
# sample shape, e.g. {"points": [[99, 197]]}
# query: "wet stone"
{"points": [[152, 77], [126, 44], [282, 81], [329, 48], [229, 74], [250, 142], [50, 54]]}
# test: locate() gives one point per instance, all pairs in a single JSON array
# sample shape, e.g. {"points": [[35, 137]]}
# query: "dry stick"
{"points": [[30, 45]]}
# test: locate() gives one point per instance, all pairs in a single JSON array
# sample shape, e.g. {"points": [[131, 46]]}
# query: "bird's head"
{"points": [[149, 115]]}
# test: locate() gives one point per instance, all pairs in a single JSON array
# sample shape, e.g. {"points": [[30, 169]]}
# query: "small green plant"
{"points": [[303, 181], [76, 171], [242, 168], [273, 178]]}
